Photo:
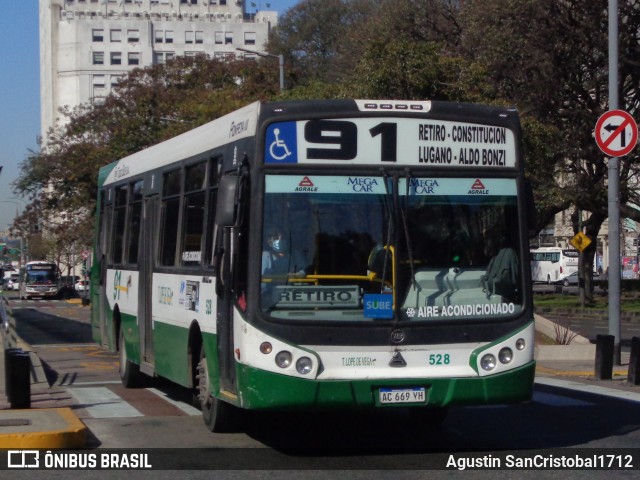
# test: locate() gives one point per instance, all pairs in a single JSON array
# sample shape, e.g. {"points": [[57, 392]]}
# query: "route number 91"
{"points": [[340, 140]]}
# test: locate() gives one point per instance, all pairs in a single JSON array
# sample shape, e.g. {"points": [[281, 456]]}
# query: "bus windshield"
{"points": [[347, 248], [41, 275]]}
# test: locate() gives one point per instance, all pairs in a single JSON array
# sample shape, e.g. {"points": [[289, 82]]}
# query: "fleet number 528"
{"points": [[439, 359]]}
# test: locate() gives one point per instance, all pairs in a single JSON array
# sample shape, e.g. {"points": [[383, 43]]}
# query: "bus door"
{"points": [[149, 229], [224, 320]]}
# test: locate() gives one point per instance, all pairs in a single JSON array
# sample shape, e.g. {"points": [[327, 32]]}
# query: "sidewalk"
{"points": [[51, 422]]}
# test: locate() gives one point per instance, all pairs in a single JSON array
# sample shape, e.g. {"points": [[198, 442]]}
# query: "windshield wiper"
{"points": [[389, 212], [407, 238]]}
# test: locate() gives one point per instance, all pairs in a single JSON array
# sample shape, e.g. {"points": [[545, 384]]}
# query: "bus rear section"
{"points": [[553, 264]]}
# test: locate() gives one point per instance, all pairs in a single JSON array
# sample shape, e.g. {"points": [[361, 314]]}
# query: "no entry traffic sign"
{"points": [[616, 133]]}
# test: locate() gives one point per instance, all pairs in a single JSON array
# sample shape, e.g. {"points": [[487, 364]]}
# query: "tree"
{"points": [[316, 38], [147, 107], [550, 58]]}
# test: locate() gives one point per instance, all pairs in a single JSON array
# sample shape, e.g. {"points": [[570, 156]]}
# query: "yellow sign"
{"points": [[580, 241]]}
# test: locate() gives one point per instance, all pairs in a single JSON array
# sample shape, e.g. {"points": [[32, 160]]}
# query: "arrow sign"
{"points": [[616, 133]]}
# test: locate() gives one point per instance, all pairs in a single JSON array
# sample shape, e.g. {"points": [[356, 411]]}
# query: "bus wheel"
{"points": [[129, 372], [218, 416], [427, 416]]}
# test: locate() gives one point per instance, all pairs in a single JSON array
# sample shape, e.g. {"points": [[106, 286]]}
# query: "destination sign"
{"points": [[317, 296], [403, 141]]}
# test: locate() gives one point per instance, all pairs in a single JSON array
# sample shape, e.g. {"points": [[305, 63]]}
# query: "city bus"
{"points": [[39, 279], [396, 278], [553, 264]]}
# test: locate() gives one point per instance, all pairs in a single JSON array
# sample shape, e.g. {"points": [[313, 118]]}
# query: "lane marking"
{"points": [[185, 407], [595, 389], [554, 400]]}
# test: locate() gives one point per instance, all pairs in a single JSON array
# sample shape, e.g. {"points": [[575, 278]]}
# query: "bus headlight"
{"points": [[488, 362], [521, 344], [266, 348], [283, 359], [506, 355], [304, 365]]}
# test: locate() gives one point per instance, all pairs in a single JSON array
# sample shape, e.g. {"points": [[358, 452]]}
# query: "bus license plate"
{"points": [[403, 395]]}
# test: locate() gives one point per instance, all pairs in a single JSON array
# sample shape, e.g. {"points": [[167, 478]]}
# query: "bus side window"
{"points": [[170, 217], [119, 223], [214, 174]]}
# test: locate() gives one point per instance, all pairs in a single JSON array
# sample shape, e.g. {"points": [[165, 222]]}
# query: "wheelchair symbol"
{"points": [[278, 146]]}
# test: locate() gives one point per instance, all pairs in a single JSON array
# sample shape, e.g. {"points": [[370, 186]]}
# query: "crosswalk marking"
{"points": [[100, 402]]}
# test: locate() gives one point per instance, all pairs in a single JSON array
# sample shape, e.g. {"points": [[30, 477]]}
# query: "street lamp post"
{"points": [[280, 62]]}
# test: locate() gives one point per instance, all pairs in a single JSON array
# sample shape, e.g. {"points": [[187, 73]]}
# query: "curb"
{"points": [[41, 428]]}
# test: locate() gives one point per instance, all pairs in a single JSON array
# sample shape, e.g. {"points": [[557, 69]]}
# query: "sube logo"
{"points": [[23, 459]]}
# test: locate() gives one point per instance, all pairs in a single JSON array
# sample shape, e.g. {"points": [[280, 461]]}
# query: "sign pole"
{"points": [[613, 193]]}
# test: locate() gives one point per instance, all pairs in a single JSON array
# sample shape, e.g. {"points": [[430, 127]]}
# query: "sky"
{"points": [[20, 93]]}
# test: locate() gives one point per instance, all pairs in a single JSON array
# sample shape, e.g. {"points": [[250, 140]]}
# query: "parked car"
{"points": [[81, 286], [570, 279], [12, 282]]}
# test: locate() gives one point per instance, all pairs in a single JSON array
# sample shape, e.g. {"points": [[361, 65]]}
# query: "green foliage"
{"points": [[148, 106], [546, 58]]}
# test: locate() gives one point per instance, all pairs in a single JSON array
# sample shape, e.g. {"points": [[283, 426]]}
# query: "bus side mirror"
{"points": [[227, 201]]}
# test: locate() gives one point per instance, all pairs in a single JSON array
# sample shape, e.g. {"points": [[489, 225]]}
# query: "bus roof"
{"points": [[228, 128]]}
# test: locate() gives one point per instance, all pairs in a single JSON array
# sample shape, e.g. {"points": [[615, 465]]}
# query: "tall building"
{"points": [[86, 46]]}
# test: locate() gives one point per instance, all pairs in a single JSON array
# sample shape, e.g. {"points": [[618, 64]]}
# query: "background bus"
{"points": [[39, 279], [553, 264], [322, 255]]}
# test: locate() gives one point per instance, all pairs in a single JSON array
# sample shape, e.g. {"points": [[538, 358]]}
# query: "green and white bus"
{"points": [[398, 281]]}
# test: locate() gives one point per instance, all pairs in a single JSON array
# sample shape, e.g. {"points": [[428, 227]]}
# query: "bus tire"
{"points": [[429, 416], [218, 415], [129, 372]]}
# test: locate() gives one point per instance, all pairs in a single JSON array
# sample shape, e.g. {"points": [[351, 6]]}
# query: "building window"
{"points": [[249, 38], [228, 38], [115, 79], [188, 2], [97, 35], [98, 81], [159, 36], [134, 58], [98, 58], [219, 38], [223, 2], [133, 36], [116, 58], [194, 37], [162, 57], [116, 36], [168, 36], [98, 87]]}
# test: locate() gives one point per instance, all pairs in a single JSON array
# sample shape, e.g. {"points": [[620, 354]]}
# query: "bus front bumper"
{"points": [[262, 390]]}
